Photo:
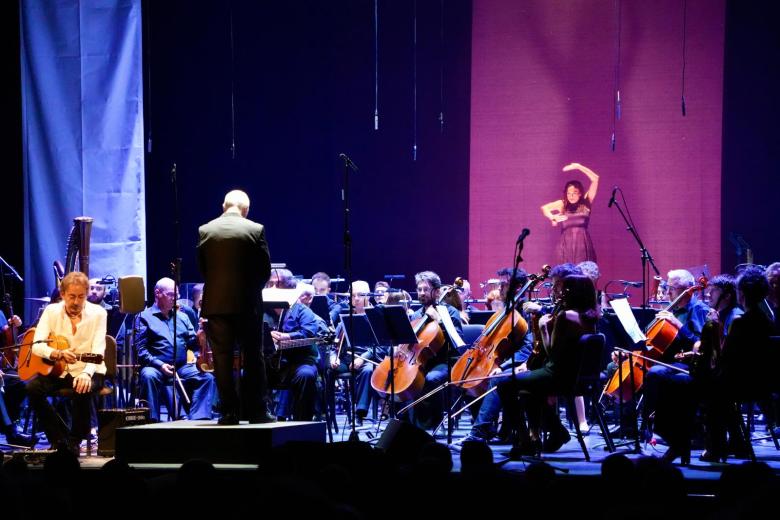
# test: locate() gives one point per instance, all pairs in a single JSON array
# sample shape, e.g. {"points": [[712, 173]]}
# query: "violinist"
{"points": [[154, 343], [561, 333], [721, 295], [83, 325], [665, 394], [427, 414], [742, 372]]}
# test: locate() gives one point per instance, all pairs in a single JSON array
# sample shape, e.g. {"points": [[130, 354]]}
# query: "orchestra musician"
{"points": [[83, 325], [427, 414], [235, 263], [742, 371], [297, 367], [489, 408], [154, 343], [561, 333], [12, 388], [381, 289], [666, 397], [321, 283], [400, 297], [340, 359]]}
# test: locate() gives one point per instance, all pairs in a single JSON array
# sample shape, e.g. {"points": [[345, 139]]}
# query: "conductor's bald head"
{"points": [[236, 201]]}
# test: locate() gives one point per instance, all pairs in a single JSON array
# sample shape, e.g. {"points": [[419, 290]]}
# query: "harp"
{"points": [[77, 251]]}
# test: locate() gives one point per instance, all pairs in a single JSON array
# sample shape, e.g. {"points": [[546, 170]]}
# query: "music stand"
{"points": [[363, 334], [392, 327], [357, 330], [319, 305]]}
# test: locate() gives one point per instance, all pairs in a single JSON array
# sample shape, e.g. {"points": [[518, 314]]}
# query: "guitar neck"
{"points": [[296, 343]]}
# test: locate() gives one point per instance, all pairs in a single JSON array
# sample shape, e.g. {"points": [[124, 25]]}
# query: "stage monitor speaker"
{"points": [[132, 294], [402, 441], [112, 418]]}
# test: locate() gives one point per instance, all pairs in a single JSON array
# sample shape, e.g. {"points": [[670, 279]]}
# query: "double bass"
{"points": [[497, 342], [408, 378], [660, 334]]}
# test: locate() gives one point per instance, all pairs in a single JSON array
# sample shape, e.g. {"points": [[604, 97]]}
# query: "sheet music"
{"points": [[446, 320], [626, 316]]}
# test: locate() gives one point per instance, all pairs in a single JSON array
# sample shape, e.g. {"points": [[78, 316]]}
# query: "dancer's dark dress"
{"points": [[575, 245]]}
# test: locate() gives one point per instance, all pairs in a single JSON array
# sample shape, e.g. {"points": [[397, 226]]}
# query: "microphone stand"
{"points": [[647, 259], [176, 272], [349, 165], [509, 307]]}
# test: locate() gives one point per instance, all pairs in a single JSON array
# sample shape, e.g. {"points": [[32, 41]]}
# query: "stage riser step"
{"points": [[180, 441]]}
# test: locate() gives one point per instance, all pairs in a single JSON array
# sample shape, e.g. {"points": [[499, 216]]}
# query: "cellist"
{"points": [[484, 427], [427, 414], [664, 386]]}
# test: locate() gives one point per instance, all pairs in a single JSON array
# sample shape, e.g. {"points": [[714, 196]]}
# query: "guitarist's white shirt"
{"points": [[90, 336]]}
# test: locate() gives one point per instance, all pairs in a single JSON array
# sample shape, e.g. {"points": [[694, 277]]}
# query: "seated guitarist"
{"points": [[296, 369], [83, 325]]}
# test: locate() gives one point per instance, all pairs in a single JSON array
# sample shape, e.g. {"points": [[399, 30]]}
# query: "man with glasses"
{"points": [[664, 388]]}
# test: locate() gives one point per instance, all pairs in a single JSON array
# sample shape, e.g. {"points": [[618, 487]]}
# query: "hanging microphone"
{"points": [[631, 284], [524, 233], [612, 198], [348, 161]]}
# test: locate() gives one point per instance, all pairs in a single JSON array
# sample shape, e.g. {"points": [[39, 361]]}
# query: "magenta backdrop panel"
{"points": [[543, 74]]}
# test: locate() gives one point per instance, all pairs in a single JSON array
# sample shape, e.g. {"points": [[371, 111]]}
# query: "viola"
{"points": [[31, 365], [538, 356], [498, 341]]}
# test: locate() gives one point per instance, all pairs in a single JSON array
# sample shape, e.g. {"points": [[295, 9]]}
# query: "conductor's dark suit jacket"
{"points": [[235, 263]]}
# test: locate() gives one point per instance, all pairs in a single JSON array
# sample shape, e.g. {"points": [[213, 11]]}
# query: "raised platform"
{"points": [[179, 441]]}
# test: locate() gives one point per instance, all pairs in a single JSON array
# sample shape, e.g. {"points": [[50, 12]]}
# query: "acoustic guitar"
{"points": [[31, 365]]}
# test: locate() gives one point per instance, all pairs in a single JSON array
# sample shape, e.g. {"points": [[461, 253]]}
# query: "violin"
{"points": [[538, 356], [497, 342], [408, 376]]}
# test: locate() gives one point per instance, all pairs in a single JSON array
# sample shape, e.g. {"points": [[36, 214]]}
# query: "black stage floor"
{"points": [[569, 458]]}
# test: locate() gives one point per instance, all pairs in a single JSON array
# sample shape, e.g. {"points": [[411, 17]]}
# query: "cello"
{"points": [[495, 344], [660, 334], [408, 378]]}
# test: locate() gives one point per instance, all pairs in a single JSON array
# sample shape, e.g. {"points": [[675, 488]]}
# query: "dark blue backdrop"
{"points": [[303, 77]]}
